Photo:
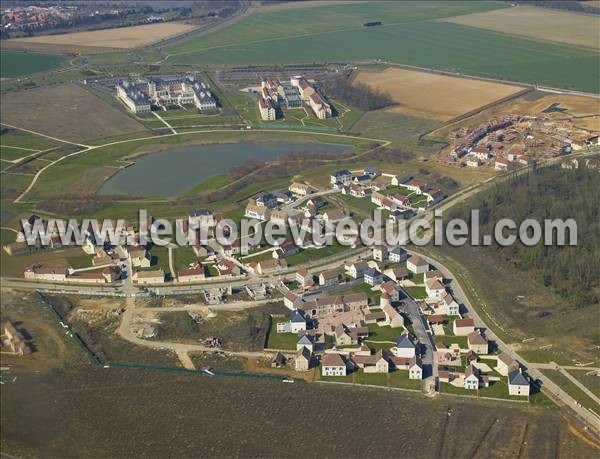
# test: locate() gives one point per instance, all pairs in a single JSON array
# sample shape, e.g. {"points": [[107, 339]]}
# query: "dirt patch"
{"points": [[105, 40], [65, 111], [540, 23], [582, 111], [433, 96]]}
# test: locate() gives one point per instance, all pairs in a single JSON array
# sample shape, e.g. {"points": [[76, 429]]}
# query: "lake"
{"points": [[171, 172]]}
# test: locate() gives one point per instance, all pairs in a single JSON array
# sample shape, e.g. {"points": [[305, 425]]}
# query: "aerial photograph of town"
{"points": [[372, 226]]}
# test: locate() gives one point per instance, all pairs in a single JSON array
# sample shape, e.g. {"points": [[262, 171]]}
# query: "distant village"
{"points": [[514, 141]]}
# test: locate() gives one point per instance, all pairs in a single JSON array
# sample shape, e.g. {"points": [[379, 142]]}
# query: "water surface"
{"points": [[171, 172]]}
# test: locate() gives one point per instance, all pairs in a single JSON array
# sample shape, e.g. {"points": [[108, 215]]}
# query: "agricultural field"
{"points": [[66, 112], [433, 96], [103, 40], [538, 23], [410, 35], [16, 64]]}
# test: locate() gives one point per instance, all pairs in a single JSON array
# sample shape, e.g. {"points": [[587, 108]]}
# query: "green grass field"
{"points": [[16, 64], [409, 35]]}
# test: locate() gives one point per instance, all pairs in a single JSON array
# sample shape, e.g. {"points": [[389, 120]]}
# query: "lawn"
{"points": [[591, 381], [497, 389], [82, 261], [449, 339], [410, 35], [570, 388], [313, 253], [399, 378], [16, 64], [183, 257], [211, 183], [417, 293], [280, 340], [377, 333]]}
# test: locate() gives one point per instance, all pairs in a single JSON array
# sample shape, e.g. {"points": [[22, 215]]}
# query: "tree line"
{"points": [[358, 95]]}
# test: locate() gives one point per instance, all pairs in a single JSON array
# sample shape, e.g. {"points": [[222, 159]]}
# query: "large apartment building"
{"points": [[274, 94], [140, 95], [309, 94]]}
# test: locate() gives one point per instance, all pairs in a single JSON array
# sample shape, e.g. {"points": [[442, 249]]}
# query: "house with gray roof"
{"points": [[518, 384]]}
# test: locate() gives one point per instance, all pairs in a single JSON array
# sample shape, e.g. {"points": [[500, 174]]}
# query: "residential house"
{"points": [[329, 278], [415, 368], [449, 306], [303, 360], [357, 269], [372, 276], [393, 318], [340, 178], [518, 384], [404, 347], [149, 277], [200, 217], [462, 327], [305, 279], [291, 300], [258, 212], [193, 274], [417, 265], [279, 216], [397, 254], [47, 273], [434, 288], [471, 379], [377, 198], [377, 363], [139, 257], [506, 364], [299, 189], [371, 171], [502, 164], [396, 274], [380, 252], [477, 343], [305, 341], [269, 266], [333, 365], [342, 336], [390, 289], [278, 361], [404, 214]]}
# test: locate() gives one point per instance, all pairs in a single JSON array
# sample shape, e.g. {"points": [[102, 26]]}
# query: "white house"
{"points": [[471, 379], [333, 365], [462, 327], [415, 368], [343, 178], [506, 364], [518, 384], [417, 265], [434, 288], [404, 347], [380, 252]]}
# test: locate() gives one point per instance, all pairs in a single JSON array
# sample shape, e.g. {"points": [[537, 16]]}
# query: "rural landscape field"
{"points": [[171, 142]]}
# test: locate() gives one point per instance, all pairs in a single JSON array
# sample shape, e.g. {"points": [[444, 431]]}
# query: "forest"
{"points": [[573, 272]]}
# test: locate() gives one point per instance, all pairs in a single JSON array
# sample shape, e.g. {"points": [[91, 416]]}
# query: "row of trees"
{"points": [[359, 95]]}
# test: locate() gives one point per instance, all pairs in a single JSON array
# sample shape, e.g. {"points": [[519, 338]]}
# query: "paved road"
{"points": [[411, 308], [549, 387]]}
